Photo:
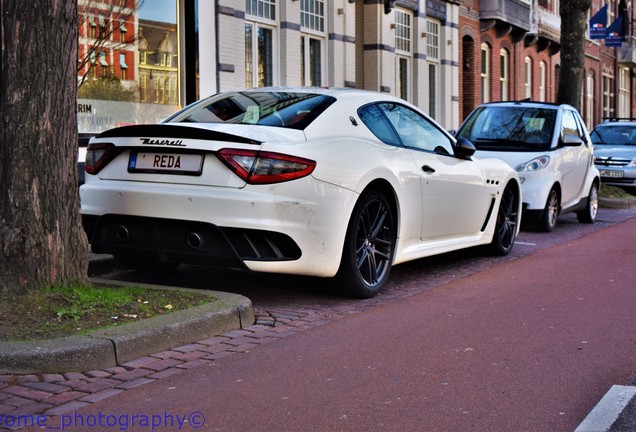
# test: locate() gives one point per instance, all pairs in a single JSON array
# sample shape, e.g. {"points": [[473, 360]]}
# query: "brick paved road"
{"points": [[283, 306]]}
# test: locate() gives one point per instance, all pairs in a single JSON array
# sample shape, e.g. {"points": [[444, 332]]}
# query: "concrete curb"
{"points": [[117, 345], [617, 203], [606, 412]]}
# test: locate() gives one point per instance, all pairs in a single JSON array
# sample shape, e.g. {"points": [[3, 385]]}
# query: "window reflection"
{"points": [[128, 62]]}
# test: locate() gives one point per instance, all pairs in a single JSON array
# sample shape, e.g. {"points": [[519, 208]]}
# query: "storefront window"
{"points": [[128, 70]]}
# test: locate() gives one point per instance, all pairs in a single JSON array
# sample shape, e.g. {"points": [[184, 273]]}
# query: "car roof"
{"points": [[527, 103], [617, 122]]}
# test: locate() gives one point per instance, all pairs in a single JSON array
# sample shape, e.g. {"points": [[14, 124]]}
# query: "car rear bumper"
{"points": [[251, 228]]}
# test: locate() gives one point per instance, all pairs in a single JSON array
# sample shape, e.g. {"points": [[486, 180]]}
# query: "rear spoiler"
{"points": [[165, 131]]}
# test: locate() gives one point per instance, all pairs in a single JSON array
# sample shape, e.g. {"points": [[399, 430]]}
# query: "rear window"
{"points": [[281, 109], [510, 128]]}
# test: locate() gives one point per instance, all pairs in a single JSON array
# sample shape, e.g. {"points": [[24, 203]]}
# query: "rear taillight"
{"points": [[256, 167], [98, 156]]}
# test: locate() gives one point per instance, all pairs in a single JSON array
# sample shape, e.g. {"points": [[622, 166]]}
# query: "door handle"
{"points": [[427, 169]]}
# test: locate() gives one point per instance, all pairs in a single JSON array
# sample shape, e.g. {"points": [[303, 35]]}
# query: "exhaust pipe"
{"points": [[122, 233], [196, 241]]}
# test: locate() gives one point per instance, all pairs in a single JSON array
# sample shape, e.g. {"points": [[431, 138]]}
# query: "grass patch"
{"points": [[607, 191], [65, 311]]}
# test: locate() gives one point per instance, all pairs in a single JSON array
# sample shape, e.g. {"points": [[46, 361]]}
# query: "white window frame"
{"points": [[485, 72], [433, 49], [527, 77], [624, 92], [266, 20], [504, 74], [589, 101], [403, 53], [313, 28], [543, 69], [608, 95]]}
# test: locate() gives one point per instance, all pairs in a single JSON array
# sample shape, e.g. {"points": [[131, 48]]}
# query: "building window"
{"points": [[92, 26], [312, 15], [504, 79], [123, 67], [402, 31], [433, 94], [557, 77], [402, 77], [485, 72], [122, 31], [143, 88], [608, 96], [403, 53], [312, 41], [259, 43], [432, 40], [589, 101], [624, 92], [311, 61], [527, 80], [259, 55], [433, 59], [261, 8], [542, 81]]}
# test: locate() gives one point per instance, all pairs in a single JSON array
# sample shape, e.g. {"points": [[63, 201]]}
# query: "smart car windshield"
{"points": [[510, 128], [614, 135], [282, 109]]}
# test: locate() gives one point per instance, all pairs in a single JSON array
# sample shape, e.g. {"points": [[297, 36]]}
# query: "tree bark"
{"points": [[42, 242], [573, 28]]}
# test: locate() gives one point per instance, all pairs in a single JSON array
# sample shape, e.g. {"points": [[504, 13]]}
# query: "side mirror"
{"points": [[571, 140], [464, 148], [453, 132]]}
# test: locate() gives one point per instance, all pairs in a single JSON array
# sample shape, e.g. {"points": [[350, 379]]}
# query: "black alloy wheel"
{"points": [[507, 222], [369, 246]]}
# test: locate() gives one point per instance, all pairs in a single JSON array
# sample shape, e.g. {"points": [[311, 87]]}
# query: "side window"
{"points": [[416, 131], [582, 129], [569, 125], [377, 122]]}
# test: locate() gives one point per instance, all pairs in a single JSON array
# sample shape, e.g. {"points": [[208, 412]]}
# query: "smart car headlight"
{"points": [[534, 165]]}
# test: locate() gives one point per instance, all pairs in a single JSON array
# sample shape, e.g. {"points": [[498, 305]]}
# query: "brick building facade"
{"points": [[445, 56]]}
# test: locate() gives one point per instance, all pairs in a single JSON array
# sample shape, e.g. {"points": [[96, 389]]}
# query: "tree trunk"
{"points": [[573, 28], [42, 242]]}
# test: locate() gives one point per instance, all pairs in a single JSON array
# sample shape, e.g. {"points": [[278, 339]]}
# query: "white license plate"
{"points": [[611, 173], [188, 164]]}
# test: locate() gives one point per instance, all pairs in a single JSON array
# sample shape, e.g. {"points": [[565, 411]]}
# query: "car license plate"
{"points": [[174, 163], [611, 173]]}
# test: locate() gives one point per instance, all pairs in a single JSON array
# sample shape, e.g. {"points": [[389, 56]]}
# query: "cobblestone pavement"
{"points": [[283, 306]]}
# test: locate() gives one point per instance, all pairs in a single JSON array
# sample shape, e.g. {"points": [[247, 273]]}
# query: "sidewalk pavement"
{"points": [[114, 346]]}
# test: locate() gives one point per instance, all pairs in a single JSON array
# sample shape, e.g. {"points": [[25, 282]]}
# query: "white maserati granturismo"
{"points": [[333, 183]]}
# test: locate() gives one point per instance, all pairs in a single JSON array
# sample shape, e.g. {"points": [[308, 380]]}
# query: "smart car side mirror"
{"points": [[571, 140], [464, 149]]}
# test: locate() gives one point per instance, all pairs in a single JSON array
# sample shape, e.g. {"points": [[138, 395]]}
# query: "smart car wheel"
{"points": [[507, 221], [368, 248], [550, 213], [588, 215]]}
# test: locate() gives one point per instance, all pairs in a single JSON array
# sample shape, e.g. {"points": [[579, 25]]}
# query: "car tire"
{"points": [[550, 214], [588, 215], [144, 264], [503, 238], [368, 248]]}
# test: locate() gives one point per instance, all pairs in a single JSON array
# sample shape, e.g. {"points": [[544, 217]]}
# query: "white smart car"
{"points": [[549, 146], [329, 183]]}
